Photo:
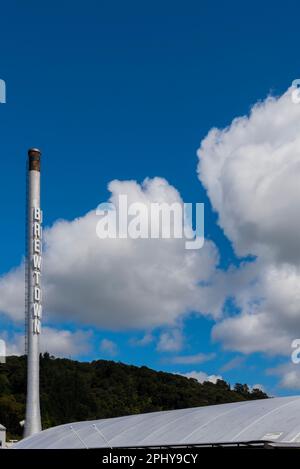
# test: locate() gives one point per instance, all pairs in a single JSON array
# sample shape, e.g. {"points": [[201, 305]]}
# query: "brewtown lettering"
{"points": [[37, 264]]}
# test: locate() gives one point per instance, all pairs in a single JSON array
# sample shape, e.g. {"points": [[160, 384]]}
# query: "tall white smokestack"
{"points": [[33, 293]]}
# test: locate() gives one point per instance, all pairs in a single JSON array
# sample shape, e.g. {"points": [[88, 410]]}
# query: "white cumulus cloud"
{"points": [[251, 171], [201, 376], [57, 342], [170, 341], [118, 283]]}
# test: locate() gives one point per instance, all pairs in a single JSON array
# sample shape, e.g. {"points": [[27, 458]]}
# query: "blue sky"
{"points": [[128, 90]]}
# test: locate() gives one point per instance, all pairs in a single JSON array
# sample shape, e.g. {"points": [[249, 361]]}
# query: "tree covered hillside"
{"points": [[73, 391]]}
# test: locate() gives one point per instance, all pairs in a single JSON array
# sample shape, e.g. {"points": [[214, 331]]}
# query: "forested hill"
{"points": [[73, 391]]}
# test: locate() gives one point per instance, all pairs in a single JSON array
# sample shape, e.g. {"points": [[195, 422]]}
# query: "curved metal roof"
{"points": [[276, 419]]}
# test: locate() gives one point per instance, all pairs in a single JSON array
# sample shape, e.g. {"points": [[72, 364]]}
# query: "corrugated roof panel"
{"points": [[234, 422]]}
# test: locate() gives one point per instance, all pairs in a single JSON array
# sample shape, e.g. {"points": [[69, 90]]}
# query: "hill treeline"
{"points": [[73, 391]]}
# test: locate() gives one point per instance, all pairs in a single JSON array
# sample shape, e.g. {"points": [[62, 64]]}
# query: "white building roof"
{"points": [[276, 419], [2, 427]]}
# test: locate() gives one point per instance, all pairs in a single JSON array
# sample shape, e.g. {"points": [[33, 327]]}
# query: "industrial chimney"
{"points": [[33, 292]]}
